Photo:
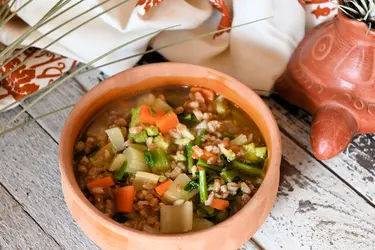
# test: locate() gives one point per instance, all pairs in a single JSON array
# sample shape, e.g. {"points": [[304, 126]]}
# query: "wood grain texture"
{"points": [[29, 171], [314, 209], [356, 165], [18, 229]]}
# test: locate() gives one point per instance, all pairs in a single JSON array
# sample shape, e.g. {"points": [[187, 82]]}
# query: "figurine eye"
{"points": [[322, 47]]}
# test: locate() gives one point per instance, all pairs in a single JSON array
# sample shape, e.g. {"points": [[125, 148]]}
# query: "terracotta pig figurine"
{"points": [[332, 75]]}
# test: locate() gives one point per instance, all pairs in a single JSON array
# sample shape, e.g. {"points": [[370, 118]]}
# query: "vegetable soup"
{"points": [[170, 160]]}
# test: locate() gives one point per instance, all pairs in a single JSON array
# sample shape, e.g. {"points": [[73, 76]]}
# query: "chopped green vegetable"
{"points": [[222, 215], [142, 178], [157, 160], [138, 147], [161, 105], [239, 140], [153, 112], [174, 191], [152, 131], [221, 105], [203, 194], [176, 219], [117, 162], [116, 137], [135, 117], [187, 118], [209, 211], [160, 142], [121, 172], [228, 135], [147, 99], [229, 154], [136, 161], [189, 156], [182, 141], [139, 137], [191, 186], [200, 224], [247, 169], [200, 137], [180, 157], [254, 154], [229, 175], [209, 166]]}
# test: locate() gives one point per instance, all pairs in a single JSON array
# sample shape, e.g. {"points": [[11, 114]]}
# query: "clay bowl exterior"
{"points": [[230, 234]]}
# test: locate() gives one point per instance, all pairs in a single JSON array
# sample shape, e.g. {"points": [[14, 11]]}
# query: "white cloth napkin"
{"points": [[255, 54]]}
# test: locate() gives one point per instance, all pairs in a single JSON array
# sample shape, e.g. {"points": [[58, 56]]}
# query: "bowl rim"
{"points": [[93, 212]]}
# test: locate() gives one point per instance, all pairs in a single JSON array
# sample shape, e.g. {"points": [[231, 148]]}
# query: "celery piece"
{"points": [[136, 161], [139, 137], [189, 156], [152, 131], [208, 166], [135, 117], [176, 219], [221, 105], [175, 191], [142, 178], [116, 137], [121, 172], [161, 105], [261, 152], [247, 169], [147, 99], [182, 141], [239, 140], [203, 194], [157, 160], [200, 224], [229, 154], [117, 162], [160, 142], [254, 154], [229, 175], [139, 147]]}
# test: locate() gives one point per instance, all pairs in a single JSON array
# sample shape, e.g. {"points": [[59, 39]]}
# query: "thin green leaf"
{"points": [[175, 43], [58, 83], [61, 37], [53, 30], [4, 132], [14, 45], [3, 22]]}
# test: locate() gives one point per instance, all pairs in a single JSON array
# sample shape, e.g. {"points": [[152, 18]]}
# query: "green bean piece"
{"points": [[208, 166], [247, 169], [189, 156]]}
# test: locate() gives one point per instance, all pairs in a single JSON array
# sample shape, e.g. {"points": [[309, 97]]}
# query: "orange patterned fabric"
{"points": [[39, 70]]}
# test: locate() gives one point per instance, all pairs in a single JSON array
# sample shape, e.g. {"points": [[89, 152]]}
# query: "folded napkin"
{"points": [[256, 54]]}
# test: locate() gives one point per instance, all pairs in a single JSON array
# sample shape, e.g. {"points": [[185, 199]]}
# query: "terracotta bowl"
{"points": [[231, 233]]}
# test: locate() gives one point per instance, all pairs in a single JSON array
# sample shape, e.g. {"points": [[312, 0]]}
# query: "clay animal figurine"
{"points": [[332, 75]]}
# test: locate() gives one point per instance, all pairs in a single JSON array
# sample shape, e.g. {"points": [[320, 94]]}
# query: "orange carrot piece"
{"points": [[220, 204], [167, 122], [125, 199], [148, 115], [206, 93], [162, 188], [105, 182], [206, 155]]}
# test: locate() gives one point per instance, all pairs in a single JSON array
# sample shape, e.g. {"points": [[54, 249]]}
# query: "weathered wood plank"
{"points": [[314, 209], [17, 229], [356, 165], [66, 94], [29, 171]]}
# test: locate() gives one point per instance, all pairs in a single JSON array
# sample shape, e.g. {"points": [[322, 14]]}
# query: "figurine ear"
{"points": [[331, 131]]}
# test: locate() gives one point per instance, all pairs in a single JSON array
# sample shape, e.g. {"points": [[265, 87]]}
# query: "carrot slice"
{"points": [[167, 122], [206, 155], [105, 182], [206, 93], [220, 204], [125, 199], [148, 115], [162, 188]]}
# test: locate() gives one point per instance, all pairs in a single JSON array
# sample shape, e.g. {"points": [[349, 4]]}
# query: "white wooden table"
{"points": [[320, 204]]}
